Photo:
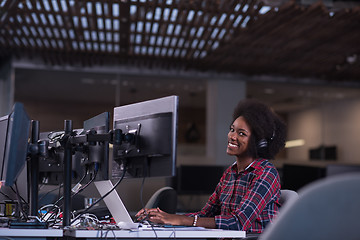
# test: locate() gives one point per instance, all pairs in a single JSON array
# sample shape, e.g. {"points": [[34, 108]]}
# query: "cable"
{"points": [[60, 185], [101, 198], [145, 170], [49, 215], [88, 221], [85, 174], [61, 198], [107, 231], [91, 180], [18, 195], [57, 136], [5, 195], [20, 203], [141, 193]]}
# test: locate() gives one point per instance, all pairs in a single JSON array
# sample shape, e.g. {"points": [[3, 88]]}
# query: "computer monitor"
{"points": [[51, 168], [148, 145], [3, 133], [97, 152], [323, 153], [197, 179], [297, 176], [14, 136]]}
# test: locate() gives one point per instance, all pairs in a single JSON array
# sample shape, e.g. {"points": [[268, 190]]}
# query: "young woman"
{"points": [[247, 196]]}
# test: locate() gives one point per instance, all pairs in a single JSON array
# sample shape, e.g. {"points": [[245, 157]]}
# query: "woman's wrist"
{"points": [[185, 220]]}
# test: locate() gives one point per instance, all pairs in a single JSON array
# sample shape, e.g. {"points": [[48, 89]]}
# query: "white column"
{"points": [[6, 88], [222, 97]]}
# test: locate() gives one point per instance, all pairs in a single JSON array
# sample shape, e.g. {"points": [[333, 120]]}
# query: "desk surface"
{"points": [[157, 233], [8, 232], [141, 233]]}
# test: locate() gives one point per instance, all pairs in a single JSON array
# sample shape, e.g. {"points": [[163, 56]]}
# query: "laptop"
{"points": [[115, 205]]}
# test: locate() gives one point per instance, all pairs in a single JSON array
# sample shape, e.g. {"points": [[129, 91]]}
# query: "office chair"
{"points": [[165, 198], [326, 209], [287, 195]]}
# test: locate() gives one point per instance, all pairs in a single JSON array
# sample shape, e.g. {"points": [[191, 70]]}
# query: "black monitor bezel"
{"points": [[3, 137], [17, 140], [151, 109]]}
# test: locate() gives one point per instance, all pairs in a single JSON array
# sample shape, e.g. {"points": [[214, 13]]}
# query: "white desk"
{"points": [[31, 233], [150, 233]]}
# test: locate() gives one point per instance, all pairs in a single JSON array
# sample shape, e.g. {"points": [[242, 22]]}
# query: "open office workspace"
{"points": [[143, 140], [73, 75]]}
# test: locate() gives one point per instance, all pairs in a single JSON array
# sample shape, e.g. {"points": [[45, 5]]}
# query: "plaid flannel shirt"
{"points": [[245, 201]]}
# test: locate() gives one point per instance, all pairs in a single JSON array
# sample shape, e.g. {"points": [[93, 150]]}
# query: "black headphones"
{"points": [[263, 143]]}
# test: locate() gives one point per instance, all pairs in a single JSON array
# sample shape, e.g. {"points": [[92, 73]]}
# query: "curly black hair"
{"points": [[268, 130]]}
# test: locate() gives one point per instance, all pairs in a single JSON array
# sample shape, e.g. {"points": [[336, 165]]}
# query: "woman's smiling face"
{"points": [[238, 138]]}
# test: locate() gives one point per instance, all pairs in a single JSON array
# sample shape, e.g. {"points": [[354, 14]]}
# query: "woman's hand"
{"points": [[142, 214], [156, 215]]}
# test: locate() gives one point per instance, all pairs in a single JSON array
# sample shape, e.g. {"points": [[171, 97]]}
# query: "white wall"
{"points": [[337, 124]]}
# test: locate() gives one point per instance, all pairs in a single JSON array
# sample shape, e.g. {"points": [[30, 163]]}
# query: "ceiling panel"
{"points": [[277, 38]]}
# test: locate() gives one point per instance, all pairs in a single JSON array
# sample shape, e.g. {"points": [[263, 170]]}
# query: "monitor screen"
{"points": [[149, 138], [323, 153], [297, 176], [15, 143], [197, 179]]}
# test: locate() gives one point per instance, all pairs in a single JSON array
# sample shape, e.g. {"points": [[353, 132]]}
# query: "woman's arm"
{"points": [[156, 215]]}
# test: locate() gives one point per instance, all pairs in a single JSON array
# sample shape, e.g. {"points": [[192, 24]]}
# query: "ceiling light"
{"points": [[294, 143]]}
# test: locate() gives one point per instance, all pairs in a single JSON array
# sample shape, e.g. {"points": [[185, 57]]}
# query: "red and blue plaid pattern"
{"points": [[245, 201]]}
